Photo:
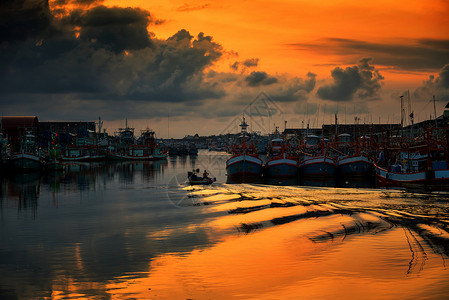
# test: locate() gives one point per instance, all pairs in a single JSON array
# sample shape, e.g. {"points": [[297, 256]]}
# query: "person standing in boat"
{"points": [[205, 174]]}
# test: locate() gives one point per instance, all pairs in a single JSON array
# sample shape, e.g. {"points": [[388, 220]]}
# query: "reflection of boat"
{"points": [[54, 165], [320, 182], [355, 182], [248, 179], [245, 161], [281, 181]]}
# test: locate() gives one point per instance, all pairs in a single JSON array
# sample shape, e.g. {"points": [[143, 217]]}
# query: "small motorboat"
{"points": [[194, 179]]}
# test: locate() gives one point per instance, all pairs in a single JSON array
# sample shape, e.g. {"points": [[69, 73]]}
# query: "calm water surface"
{"points": [[136, 231]]}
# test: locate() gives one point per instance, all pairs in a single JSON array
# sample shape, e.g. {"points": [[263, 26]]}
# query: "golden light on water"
{"points": [[311, 251], [250, 241], [284, 263]]}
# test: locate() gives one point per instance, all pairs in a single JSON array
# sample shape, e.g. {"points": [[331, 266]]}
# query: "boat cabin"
{"points": [[312, 140], [345, 138]]}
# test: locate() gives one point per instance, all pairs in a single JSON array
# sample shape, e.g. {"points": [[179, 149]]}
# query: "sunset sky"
{"points": [[186, 67]]}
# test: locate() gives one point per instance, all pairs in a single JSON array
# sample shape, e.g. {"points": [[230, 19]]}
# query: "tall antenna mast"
{"points": [[409, 107], [435, 112]]}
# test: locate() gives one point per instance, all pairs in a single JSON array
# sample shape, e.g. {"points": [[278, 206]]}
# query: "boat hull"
{"points": [[26, 162], [76, 158], [159, 156], [282, 167], [201, 182], [354, 166], [431, 179], [244, 166], [317, 167], [118, 156]]}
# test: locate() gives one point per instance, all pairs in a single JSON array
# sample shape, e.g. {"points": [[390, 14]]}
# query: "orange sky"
{"points": [[264, 29], [313, 59]]}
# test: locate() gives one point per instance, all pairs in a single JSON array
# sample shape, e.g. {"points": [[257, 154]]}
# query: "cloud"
{"points": [[113, 28], [443, 81], [434, 86], [76, 2], [362, 81], [294, 89], [113, 57], [103, 60], [248, 63], [189, 7], [21, 20], [257, 78], [409, 54]]}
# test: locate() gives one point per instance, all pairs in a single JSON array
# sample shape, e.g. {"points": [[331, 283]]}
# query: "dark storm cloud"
{"points": [[102, 60], [20, 20], [295, 89], [77, 2], [417, 54], [286, 89], [114, 28], [363, 81], [104, 54], [258, 78], [252, 62], [434, 86], [248, 63]]}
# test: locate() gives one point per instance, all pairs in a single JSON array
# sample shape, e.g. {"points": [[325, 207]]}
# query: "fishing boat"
{"points": [[128, 149], [423, 166], [353, 160], [53, 160], [27, 159], [317, 166], [432, 179], [316, 161], [280, 163], [245, 161], [354, 165], [194, 179], [76, 153]]}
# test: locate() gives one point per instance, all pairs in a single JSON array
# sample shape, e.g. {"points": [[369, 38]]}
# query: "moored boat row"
{"points": [[312, 159], [419, 163], [30, 157]]}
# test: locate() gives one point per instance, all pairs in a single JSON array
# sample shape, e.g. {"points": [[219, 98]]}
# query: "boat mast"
{"points": [[244, 127], [435, 112]]}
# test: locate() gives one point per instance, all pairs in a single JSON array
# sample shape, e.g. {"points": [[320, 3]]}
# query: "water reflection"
{"points": [[21, 191], [24, 188], [281, 242], [119, 230], [343, 182]]}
